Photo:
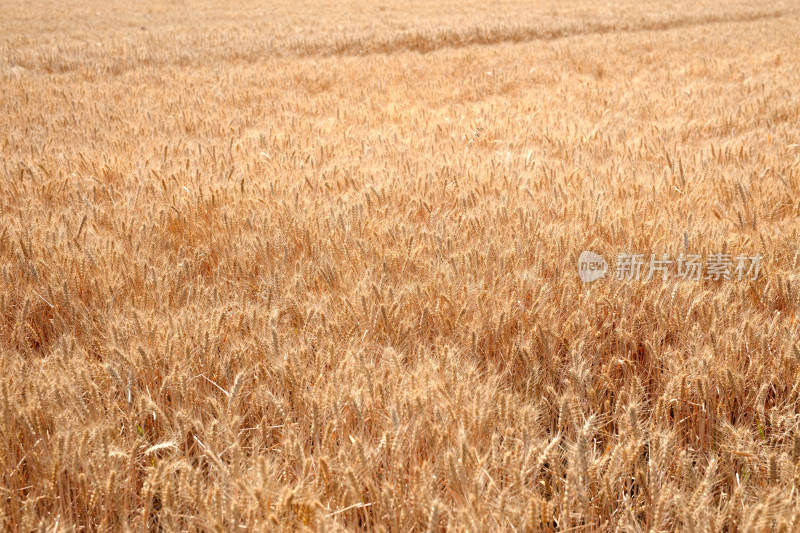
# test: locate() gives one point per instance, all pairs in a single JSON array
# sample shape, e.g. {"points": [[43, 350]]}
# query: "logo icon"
{"points": [[591, 266]]}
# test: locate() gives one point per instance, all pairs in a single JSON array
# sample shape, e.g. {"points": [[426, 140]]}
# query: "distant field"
{"points": [[314, 266]]}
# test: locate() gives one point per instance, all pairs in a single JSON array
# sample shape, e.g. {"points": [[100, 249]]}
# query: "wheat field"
{"points": [[314, 266]]}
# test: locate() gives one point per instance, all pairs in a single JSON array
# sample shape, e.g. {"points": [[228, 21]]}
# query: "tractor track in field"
{"points": [[69, 59], [426, 42]]}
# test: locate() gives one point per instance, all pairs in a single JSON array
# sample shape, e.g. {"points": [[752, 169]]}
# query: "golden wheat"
{"points": [[307, 267]]}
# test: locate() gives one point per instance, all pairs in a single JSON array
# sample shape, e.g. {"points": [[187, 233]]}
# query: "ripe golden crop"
{"points": [[314, 267]]}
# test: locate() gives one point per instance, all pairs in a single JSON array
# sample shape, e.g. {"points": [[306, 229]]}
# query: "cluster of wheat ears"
{"points": [[313, 266]]}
